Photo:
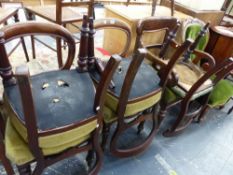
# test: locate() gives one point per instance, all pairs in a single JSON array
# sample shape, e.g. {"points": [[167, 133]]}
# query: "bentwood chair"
{"points": [[63, 13], [6, 12], [47, 118], [131, 101]]}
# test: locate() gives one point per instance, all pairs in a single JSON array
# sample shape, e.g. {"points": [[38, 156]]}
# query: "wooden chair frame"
{"points": [[22, 76], [139, 119], [111, 23]]}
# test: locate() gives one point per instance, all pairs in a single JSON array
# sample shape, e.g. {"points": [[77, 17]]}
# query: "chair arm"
{"points": [[201, 55]]}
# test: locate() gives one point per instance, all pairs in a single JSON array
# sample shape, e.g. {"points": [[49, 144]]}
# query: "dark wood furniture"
{"points": [[221, 43], [63, 13], [132, 101], [186, 73], [5, 14], [157, 51], [47, 119]]}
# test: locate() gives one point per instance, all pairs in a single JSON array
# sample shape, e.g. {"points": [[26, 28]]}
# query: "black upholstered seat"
{"points": [[63, 98]]}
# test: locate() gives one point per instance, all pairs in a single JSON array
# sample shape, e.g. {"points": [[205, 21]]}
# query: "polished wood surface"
{"points": [[221, 43]]}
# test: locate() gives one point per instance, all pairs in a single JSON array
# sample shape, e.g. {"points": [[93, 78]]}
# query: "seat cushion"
{"points": [[145, 91], [18, 151], [188, 75], [221, 93], [61, 99]]}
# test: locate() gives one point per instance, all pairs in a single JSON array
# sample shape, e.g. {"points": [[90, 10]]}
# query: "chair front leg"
{"points": [[6, 163]]}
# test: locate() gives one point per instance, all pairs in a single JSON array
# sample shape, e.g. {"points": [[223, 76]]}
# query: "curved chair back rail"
{"points": [[11, 32], [111, 23], [169, 24]]}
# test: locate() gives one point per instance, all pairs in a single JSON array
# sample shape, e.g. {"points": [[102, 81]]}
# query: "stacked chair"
{"points": [[136, 90], [191, 82], [47, 119]]}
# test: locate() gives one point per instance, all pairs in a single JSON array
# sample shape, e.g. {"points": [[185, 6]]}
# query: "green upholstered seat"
{"points": [[71, 102], [221, 93], [145, 91]]}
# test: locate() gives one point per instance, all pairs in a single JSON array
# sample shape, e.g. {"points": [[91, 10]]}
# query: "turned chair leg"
{"points": [[95, 153], [105, 135], [140, 127], [6, 163], [90, 157], [24, 169]]}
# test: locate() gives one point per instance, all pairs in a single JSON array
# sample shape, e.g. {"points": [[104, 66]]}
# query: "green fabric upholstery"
{"points": [[192, 31], [131, 108], [221, 93], [19, 153], [144, 93]]}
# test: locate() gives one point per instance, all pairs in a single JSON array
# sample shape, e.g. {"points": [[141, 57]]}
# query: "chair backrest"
{"points": [[89, 4], [191, 29], [154, 24], [115, 24], [11, 32]]}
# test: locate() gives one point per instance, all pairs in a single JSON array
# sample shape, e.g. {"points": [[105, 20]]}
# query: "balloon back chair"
{"points": [[63, 13], [52, 115], [191, 29], [131, 101], [106, 27]]}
